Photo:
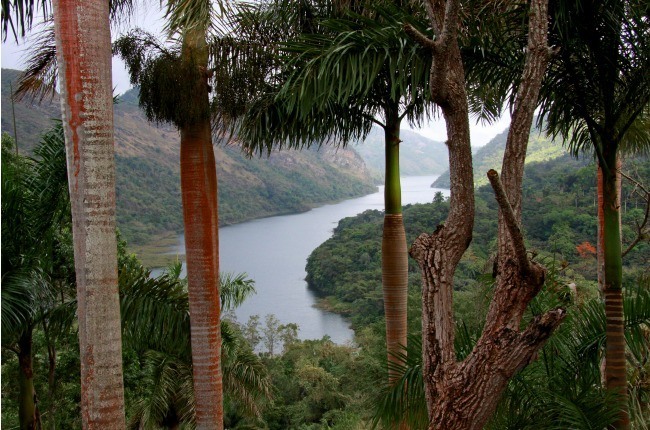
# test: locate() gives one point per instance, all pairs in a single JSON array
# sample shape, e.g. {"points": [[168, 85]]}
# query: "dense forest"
{"points": [[559, 221], [520, 304]]}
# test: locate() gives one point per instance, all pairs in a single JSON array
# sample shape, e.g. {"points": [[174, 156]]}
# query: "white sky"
{"points": [[151, 19]]}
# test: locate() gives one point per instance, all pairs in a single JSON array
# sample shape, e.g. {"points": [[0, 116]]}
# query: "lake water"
{"points": [[273, 251]]}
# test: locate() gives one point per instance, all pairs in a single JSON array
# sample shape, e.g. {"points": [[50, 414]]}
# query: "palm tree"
{"points": [[338, 78], [174, 88], [597, 89], [84, 63], [84, 60], [34, 206], [156, 323]]}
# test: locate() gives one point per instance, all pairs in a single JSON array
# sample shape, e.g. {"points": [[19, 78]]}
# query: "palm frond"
{"points": [[19, 300], [168, 390], [246, 379], [404, 400], [155, 311], [597, 85], [19, 16], [234, 289], [186, 15], [334, 83], [39, 78]]}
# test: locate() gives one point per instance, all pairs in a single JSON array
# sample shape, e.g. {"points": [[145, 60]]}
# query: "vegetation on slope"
{"points": [[559, 218], [540, 148], [148, 185]]}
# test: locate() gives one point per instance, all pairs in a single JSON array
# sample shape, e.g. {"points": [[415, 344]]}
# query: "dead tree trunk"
{"points": [[463, 395]]}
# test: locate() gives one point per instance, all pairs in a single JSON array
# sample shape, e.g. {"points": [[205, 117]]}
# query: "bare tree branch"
{"points": [[516, 236]]}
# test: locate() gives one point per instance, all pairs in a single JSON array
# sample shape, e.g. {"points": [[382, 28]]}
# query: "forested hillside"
{"points": [[559, 215], [148, 185], [417, 154], [540, 148]]}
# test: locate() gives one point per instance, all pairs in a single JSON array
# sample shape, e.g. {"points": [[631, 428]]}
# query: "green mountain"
{"points": [[148, 182], [418, 155], [31, 118], [540, 148]]}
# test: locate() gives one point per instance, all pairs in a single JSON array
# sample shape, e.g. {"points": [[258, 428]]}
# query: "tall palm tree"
{"points": [[83, 51], [83, 45], [337, 79], [599, 87], [174, 88]]}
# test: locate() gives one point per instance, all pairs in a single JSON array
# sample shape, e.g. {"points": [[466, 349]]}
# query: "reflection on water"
{"points": [[273, 251]]}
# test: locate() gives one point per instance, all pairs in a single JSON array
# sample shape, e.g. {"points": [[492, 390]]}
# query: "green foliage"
{"points": [[559, 214], [540, 148], [337, 77], [167, 82], [319, 385]]}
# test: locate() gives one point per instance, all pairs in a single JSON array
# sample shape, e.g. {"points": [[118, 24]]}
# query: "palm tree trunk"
{"points": [[200, 215], [28, 415], [394, 256], [615, 371], [83, 45]]}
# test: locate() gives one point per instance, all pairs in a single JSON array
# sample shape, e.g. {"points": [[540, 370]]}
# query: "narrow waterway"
{"points": [[273, 251]]}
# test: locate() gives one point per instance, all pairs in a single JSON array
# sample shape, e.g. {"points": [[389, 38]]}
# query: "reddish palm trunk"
{"points": [[200, 215], [394, 254], [199, 191], [83, 45]]}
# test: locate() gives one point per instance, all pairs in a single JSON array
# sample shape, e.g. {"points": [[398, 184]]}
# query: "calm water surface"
{"points": [[273, 251]]}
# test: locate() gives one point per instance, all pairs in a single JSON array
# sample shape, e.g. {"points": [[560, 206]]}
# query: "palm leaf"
{"points": [[335, 82], [19, 16], [234, 289], [404, 400], [40, 76]]}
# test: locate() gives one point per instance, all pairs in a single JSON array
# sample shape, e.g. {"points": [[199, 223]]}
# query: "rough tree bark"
{"points": [[83, 47], [200, 215], [463, 395]]}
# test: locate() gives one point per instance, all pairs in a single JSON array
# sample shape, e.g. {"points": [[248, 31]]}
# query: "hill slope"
{"points": [[540, 148], [418, 155], [147, 163]]}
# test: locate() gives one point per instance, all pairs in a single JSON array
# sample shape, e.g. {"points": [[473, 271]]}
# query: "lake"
{"points": [[273, 251]]}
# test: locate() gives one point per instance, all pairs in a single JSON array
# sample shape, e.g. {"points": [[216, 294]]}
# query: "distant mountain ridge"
{"points": [[490, 156], [147, 164], [419, 155]]}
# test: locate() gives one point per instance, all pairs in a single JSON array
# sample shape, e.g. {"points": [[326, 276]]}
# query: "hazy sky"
{"points": [[151, 18]]}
